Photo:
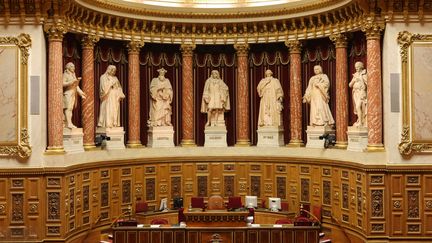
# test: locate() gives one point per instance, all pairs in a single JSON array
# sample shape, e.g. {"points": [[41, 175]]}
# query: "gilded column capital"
{"points": [[135, 46], [55, 31], [340, 40], [294, 46], [187, 49], [89, 41], [372, 30], [242, 49]]}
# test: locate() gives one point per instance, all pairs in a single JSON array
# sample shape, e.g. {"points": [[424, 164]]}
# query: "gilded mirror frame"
{"points": [[416, 93], [14, 137]]}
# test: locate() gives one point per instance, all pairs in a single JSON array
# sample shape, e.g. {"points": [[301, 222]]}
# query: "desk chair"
{"points": [[159, 221], [284, 206], [216, 202], [141, 207], [197, 202], [234, 202], [284, 221]]}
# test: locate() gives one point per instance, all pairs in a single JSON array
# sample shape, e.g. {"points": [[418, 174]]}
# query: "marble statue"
{"points": [[271, 93], [70, 90], [161, 93], [215, 100], [317, 95], [110, 94], [359, 94]]}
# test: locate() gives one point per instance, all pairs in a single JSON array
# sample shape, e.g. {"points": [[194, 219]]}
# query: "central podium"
{"points": [[216, 218]]}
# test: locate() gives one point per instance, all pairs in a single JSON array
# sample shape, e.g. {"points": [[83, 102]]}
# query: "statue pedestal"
{"points": [[115, 137], [215, 136], [162, 136], [357, 138], [73, 140], [270, 136], [313, 134]]}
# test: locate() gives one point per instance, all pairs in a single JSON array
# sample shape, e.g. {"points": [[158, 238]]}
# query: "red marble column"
{"points": [[295, 94], [55, 89], [88, 113], [340, 41], [242, 113], [134, 95], [188, 121], [374, 89]]}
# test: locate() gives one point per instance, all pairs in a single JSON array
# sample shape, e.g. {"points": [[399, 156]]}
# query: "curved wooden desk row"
{"points": [[262, 216], [262, 234]]}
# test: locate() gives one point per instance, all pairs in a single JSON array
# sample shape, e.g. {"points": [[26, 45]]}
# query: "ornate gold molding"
{"points": [[410, 143], [55, 31], [134, 46], [242, 49], [187, 49], [294, 46], [340, 40], [19, 146], [89, 41], [372, 29]]}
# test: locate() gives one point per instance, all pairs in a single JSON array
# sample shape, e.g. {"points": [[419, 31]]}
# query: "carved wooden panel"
{"points": [[202, 186], [53, 182], [86, 198], [305, 190], [359, 200], [281, 187], [71, 202], [376, 179], [17, 207], [345, 195], [229, 183], [413, 204], [281, 168], [202, 167], [150, 169], [53, 206], [175, 168], [229, 167], [377, 203], [126, 171], [255, 185], [176, 188], [104, 173], [126, 192], [17, 183], [150, 189], [104, 194], [327, 192]]}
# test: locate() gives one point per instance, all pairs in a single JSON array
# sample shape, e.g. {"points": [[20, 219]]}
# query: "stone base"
{"points": [[313, 134], [73, 140], [270, 136], [161, 137], [215, 136], [357, 138], [115, 137]]}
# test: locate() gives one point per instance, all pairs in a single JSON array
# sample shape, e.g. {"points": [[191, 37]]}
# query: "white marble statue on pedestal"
{"points": [[110, 94], [72, 136], [320, 117], [358, 133], [270, 125], [161, 131], [215, 102]]}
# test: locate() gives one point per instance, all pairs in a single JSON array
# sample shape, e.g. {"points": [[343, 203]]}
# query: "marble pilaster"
{"points": [[134, 95], [374, 90], [55, 88], [242, 113], [295, 94], [88, 111], [188, 121], [340, 41]]}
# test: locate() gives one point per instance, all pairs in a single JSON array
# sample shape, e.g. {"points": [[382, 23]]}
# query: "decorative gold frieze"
{"points": [[55, 31], [372, 29]]}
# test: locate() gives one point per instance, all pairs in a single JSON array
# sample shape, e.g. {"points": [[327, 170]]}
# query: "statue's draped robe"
{"points": [[271, 93], [317, 96]]}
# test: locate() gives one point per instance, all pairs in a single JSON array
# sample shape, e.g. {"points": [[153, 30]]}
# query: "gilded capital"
{"points": [[135, 46], [55, 31], [242, 49], [340, 40], [372, 30], [187, 49], [294, 46], [89, 41]]}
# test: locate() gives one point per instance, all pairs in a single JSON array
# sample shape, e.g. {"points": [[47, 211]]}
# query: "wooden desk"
{"points": [[216, 218], [265, 216], [147, 217], [263, 234]]}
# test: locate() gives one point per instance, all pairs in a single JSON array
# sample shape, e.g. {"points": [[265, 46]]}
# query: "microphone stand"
{"points": [[128, 212]]}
